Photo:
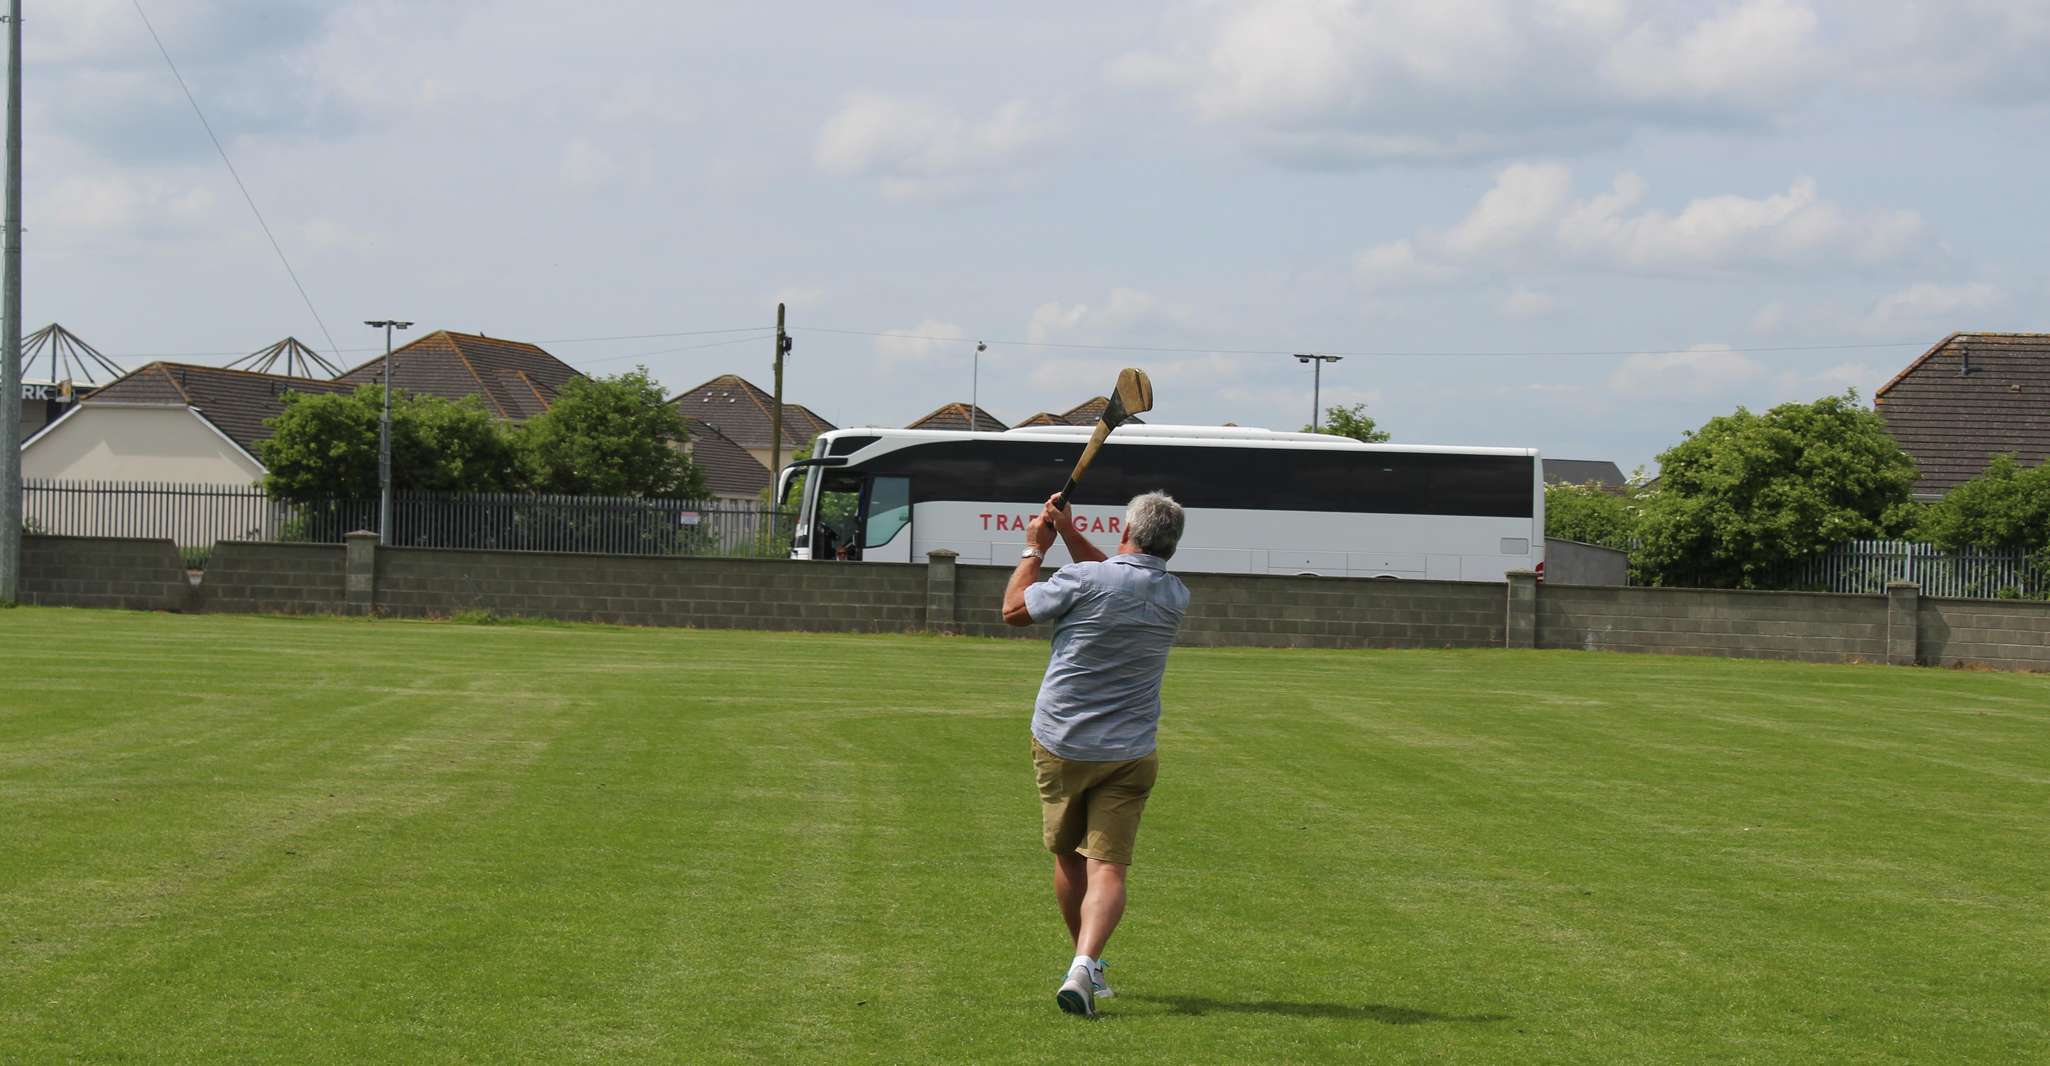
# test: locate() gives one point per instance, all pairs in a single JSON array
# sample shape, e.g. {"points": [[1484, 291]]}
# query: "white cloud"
{"points": [[1716, 372], [1750, 54], [643, 99], [920, 150], [1351, 82], [1326, 82], [1800, 385], [1053, 323], [1398, 263], [128, 202], [1924, 303], [1526, 302], [331, 235], [1529, 218], [1704, 369], [1794, 227], [586, 165], [929, 341]]}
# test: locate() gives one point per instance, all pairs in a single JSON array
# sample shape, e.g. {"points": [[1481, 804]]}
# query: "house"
{"points": [[955, 416], [741, 412], [513, 379], [1088, 411], [167, 422], [180, 422], [960, 416], [1967, 399], [1602, 473], [731, 471]]}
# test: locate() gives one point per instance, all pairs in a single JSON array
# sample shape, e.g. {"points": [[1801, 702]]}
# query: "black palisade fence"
{"points": [[197, 517]]}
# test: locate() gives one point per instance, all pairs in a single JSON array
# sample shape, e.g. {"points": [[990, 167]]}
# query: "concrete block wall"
{"points": [[264, 578], [1900, 627], [2003, 634], [653, 591], [1257, 610], [1815, 627], [126, 572]]}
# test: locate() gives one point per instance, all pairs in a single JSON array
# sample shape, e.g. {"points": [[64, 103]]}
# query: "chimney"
{"points": [[1964, 351]]}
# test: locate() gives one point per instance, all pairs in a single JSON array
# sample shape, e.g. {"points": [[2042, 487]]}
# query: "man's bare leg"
{"points": [[1070, 884], [1102, 906]]}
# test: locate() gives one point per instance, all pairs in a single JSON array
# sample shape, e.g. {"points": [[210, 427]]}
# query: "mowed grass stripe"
{"points": [[327, 841]]}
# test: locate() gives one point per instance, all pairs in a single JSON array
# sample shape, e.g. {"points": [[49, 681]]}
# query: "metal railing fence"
{"points": [[196, 517], [1866, 566]]}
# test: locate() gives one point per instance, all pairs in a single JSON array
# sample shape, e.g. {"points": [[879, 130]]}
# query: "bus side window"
{"points": [[889, 510]]}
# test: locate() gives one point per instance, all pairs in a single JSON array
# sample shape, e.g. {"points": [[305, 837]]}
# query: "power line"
{"points": [[756, 332], [549, 340], [1525, 354], [686, 348], [657, 336], [250, 200]]}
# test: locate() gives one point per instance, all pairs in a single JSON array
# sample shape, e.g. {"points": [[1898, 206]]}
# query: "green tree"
{"points": [[613, 436], [1351, 422], [2005, 508], [1587, 514], [1747, 495], [324, 446]]}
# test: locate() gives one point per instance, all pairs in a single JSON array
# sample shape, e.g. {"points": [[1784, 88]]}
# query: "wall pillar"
{"points": [[1903, 613], [359, 591], [939, 589], [1521, 629]]}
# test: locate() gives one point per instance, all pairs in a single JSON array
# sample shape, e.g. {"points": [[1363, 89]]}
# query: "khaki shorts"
{"points": [[1093, 808]]}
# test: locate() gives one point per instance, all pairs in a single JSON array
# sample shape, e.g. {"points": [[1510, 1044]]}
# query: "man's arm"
{"points": [[1063, 519], [1040, 535]]}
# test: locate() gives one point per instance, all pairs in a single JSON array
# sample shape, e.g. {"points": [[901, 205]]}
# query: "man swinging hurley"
{"points": [[1092, 728]]}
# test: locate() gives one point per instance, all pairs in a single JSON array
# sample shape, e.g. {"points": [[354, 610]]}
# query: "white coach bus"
{"points": [[1258, 501]]}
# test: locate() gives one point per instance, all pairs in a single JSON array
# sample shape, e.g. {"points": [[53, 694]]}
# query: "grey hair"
{"points": [[1153, 523]]}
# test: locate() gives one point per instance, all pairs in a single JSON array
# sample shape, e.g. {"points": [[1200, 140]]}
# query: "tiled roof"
{"points": [[1043, 418], [740, 411], [236, 401], [1953, 422], [515, 380], [1088, 411], [728, 468], [1581, 471], [956, 416]]}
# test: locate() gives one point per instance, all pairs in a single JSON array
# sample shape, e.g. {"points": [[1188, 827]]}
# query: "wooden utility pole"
{"points": [[776, 412]]}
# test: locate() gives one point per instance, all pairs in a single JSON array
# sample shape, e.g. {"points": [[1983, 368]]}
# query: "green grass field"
{"points": [[251, 839]]}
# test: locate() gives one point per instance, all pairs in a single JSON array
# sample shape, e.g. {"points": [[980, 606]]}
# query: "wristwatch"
{"points": [[1033, 553]]}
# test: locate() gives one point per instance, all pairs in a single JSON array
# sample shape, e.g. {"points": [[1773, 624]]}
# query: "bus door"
{"points": [[886, 520], [856, 517]]}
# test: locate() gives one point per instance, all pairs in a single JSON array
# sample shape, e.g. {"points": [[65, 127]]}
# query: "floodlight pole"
{"points": [[384, 435], [1316, 382], [10, 325], [975, 389]]}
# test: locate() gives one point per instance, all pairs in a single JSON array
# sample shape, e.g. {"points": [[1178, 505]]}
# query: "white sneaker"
{"points": [[1099, 987], [1077, 994]]}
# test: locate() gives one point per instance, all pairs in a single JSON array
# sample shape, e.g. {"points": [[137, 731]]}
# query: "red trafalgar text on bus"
{"points": [[1011, 523]]}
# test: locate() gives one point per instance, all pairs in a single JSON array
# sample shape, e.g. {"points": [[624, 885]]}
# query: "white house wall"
{"points": [[106, 443]]}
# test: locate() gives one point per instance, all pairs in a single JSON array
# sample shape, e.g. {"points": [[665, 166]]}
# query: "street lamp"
{"points": [[384, 433], [975, 387], [1316, 381]]}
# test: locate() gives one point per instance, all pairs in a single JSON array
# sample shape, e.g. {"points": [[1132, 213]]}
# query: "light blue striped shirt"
{"points": [[1113, 624]]}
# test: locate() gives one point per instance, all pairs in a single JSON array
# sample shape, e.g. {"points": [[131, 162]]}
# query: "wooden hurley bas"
{"points": [[1132, 396]]}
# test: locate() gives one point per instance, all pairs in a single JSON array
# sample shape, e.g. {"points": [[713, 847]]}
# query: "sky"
{"points": [[1582, 226]]}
